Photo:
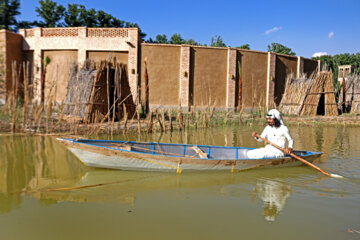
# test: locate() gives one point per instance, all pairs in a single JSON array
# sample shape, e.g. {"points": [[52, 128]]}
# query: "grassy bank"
{"points": [[42, 120]]}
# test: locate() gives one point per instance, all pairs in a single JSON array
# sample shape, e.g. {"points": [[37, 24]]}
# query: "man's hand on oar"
{"points": [[254, 134]]}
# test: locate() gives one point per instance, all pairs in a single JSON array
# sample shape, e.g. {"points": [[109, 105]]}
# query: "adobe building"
{"points": [[185, 75], [344, 71]]}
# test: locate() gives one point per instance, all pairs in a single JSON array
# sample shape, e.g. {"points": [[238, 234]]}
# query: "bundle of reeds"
{"points": [[350, 93], [312, 100], [329, 91], [355, 109], [97, 91], [295, 93], [79, 90]]}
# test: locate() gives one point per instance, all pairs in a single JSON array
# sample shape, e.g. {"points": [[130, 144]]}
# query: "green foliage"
{"points": [[9, 9], [46, 61], [245, 46], [279, 48], [76, 15], [26, 24], [191, 42], [333, 62], [161, 39], [216, 41], [176, 39], [88, 17], [51, 13]]}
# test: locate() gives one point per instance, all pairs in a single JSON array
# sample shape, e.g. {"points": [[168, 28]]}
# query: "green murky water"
{"points": [[284, 203]]}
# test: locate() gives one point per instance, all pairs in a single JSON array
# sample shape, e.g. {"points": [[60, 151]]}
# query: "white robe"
{"points": [[275, 135]]}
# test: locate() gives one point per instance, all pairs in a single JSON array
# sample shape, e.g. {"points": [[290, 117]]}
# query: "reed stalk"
{"points": [[125, 117], [48, 113], [26, 95], [180, 118], [15, 76], [227, 117], [192, 114], [212, 112], [170, 120], [163, 120], [240, 115], [107, 90], [197, 117], [159, 121], [39, 109], [138, 121], [150, 122], [106, 117], [61, 108]]}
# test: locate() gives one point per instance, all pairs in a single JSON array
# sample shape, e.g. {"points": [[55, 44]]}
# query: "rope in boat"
{"points": [[178, 169], [158, 151]]}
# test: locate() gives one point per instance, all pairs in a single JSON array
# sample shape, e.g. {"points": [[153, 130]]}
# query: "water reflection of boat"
{"points": [[274, 195], [103, 185], [171, 157]]}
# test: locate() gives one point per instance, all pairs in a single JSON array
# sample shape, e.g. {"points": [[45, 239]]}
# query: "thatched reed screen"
{"points": [[79, 90], [295, 93], [352, 95], [321, 96], [98, 92], [356, 96]]}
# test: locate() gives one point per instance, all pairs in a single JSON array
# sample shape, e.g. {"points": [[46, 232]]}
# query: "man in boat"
{"points": [[275, 132]]}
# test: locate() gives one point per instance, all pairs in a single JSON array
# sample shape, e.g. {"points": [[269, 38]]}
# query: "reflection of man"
{"points": [[274, 195], [275, 132]]}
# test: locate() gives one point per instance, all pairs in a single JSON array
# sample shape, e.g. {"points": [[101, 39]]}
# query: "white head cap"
{"points": [[273, 113]]}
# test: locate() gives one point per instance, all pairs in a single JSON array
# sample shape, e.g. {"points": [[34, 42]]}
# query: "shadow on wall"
{"points": [[280, 81]]}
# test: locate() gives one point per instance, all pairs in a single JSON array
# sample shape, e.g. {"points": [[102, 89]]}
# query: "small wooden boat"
{"points": [[127, 155]]}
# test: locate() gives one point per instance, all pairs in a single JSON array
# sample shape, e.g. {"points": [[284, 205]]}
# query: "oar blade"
{"points": [[336, 176]]}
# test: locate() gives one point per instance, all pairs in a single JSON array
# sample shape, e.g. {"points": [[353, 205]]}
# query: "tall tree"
{"points": [[8, 11], [51, 13], [216, 41], [88, 17], [244, 46], [161, 39], [333, 62], [176, 39], [279, 48], [103, 19], [192, 42], [26, 24], [73, 17]]}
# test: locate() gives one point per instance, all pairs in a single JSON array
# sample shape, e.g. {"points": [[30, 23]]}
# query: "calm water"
{"points": [[284, 203]]}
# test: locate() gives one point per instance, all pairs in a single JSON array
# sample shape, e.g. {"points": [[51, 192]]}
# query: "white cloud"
{"points": [[331, 34], [319, 54], [274, 29]]}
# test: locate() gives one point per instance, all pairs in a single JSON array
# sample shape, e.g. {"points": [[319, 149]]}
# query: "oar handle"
{"points": [[297, 157]]}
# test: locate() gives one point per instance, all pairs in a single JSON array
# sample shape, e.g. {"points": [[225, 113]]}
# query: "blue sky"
{"points": [[306, 26]]}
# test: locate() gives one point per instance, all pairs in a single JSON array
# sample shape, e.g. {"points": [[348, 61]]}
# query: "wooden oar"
{"points": [[299, 158]]}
